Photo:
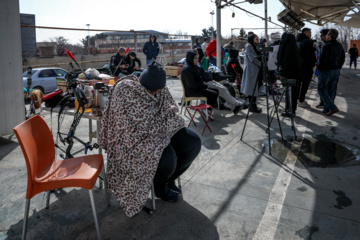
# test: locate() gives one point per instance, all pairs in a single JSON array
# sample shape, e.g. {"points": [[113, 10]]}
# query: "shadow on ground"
{"points": [[70, 216]]}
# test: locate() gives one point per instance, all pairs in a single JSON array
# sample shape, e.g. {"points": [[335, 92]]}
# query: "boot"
{"points": [[253, 107]]}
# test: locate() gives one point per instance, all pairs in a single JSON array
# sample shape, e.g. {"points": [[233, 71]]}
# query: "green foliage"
{"points": [[207, 32]]}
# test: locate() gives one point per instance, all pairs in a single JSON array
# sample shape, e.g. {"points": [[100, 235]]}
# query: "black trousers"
{"points": [[293, 95], [305, 84], [210, 94], [176, 158]]}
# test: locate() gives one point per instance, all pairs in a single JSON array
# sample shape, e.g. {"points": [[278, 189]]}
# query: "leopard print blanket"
{"points": [[135, 129]]}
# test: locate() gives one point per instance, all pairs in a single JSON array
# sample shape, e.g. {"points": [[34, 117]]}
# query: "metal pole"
{"points": [[212, 23], [88, 39], [218, 34], [266, 22]]}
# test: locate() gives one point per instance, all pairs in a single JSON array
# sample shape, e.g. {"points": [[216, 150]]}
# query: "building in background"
{"points": [[28, 35]]}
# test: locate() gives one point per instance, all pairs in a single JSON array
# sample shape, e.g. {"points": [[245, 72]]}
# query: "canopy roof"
{"points": [[320, 12]]}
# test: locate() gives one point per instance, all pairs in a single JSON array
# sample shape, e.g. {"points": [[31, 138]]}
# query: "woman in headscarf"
{"points": [[145, 139], [251, 71]]}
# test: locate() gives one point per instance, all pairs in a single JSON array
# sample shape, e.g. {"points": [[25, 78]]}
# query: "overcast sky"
{"points": [[187, 16]]}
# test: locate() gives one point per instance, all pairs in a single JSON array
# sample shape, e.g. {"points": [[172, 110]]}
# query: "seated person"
{"points": [[116, 60], [145, 139], [192, 81], [128, 65], [206, 79]]}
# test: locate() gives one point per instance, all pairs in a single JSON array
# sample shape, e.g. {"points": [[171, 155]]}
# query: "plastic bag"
{"points": [[92, 73]]}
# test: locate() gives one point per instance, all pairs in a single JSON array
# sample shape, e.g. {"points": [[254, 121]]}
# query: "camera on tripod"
{"points": [[262, 48]]}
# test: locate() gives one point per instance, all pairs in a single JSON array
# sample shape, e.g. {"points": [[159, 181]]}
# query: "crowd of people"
{"points": [[145, 137]]}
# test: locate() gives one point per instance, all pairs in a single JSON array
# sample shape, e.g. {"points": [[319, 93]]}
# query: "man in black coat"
{"points": [[288, 63], [307, 62], [129, 62], [331, 61], [116, 61]]}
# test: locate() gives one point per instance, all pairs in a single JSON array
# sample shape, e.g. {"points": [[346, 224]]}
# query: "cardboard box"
{"points": [[61, 85], [171, 71]]}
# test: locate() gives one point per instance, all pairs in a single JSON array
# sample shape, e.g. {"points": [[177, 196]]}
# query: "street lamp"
{"points": [[212, 23], [88, 42]]}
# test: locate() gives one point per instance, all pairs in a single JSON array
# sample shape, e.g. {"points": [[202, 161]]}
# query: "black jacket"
{"points": [[190, 76], [114, 63], [131, 63], [353, 52], [288, 60], [306, 52], [234, 61], [332, 56]]}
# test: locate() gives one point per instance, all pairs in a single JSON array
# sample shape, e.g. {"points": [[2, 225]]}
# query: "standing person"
{"points": [[251, 72], [354, 53], [151, 49], [115, 61], [307, 62], [205, 44], [331, 61], [145, 139], [323, 34], [233, 66], [211, 52], [197, 47], [288, 62], [205, 62]]}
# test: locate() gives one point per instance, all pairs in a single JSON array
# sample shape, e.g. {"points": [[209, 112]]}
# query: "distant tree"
{"points": [[84, 41], [242, 33], [60, 43], [207, 32]]}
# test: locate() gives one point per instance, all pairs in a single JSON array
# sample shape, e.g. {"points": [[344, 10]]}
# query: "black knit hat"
{"points": [[154, 77]]}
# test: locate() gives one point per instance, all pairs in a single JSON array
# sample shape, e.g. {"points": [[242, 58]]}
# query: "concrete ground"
{"points": [[307, 189]]}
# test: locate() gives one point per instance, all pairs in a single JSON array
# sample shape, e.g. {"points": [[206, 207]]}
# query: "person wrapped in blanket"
{"points": [[145, 140]]}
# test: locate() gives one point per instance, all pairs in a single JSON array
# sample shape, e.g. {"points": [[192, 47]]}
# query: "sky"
{"points": [[172, 16]]}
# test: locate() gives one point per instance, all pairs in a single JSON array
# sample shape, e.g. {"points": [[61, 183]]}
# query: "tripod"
{"points": [[287, 83], [265, 80]]}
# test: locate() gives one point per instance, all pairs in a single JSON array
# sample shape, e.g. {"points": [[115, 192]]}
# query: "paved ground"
{"points": [[307, 189]]}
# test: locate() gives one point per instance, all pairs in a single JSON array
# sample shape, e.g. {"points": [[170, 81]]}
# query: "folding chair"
{"points": [[45, 174], [198, 108]]}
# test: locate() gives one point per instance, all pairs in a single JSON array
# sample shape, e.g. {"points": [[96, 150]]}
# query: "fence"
{"points": [[45, 46]]}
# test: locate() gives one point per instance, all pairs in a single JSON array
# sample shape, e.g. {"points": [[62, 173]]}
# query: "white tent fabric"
{"points": [[321, 12]]}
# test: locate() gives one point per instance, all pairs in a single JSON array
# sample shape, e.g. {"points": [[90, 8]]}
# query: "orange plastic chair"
{"points": [[45, 174]]}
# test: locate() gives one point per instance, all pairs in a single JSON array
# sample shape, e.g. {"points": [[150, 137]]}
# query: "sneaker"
{"points": [[170, 196], [255, 109], [173, 187], [304, 104], [238, 108], [332, 112], [287, 114], [320, 105]]}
